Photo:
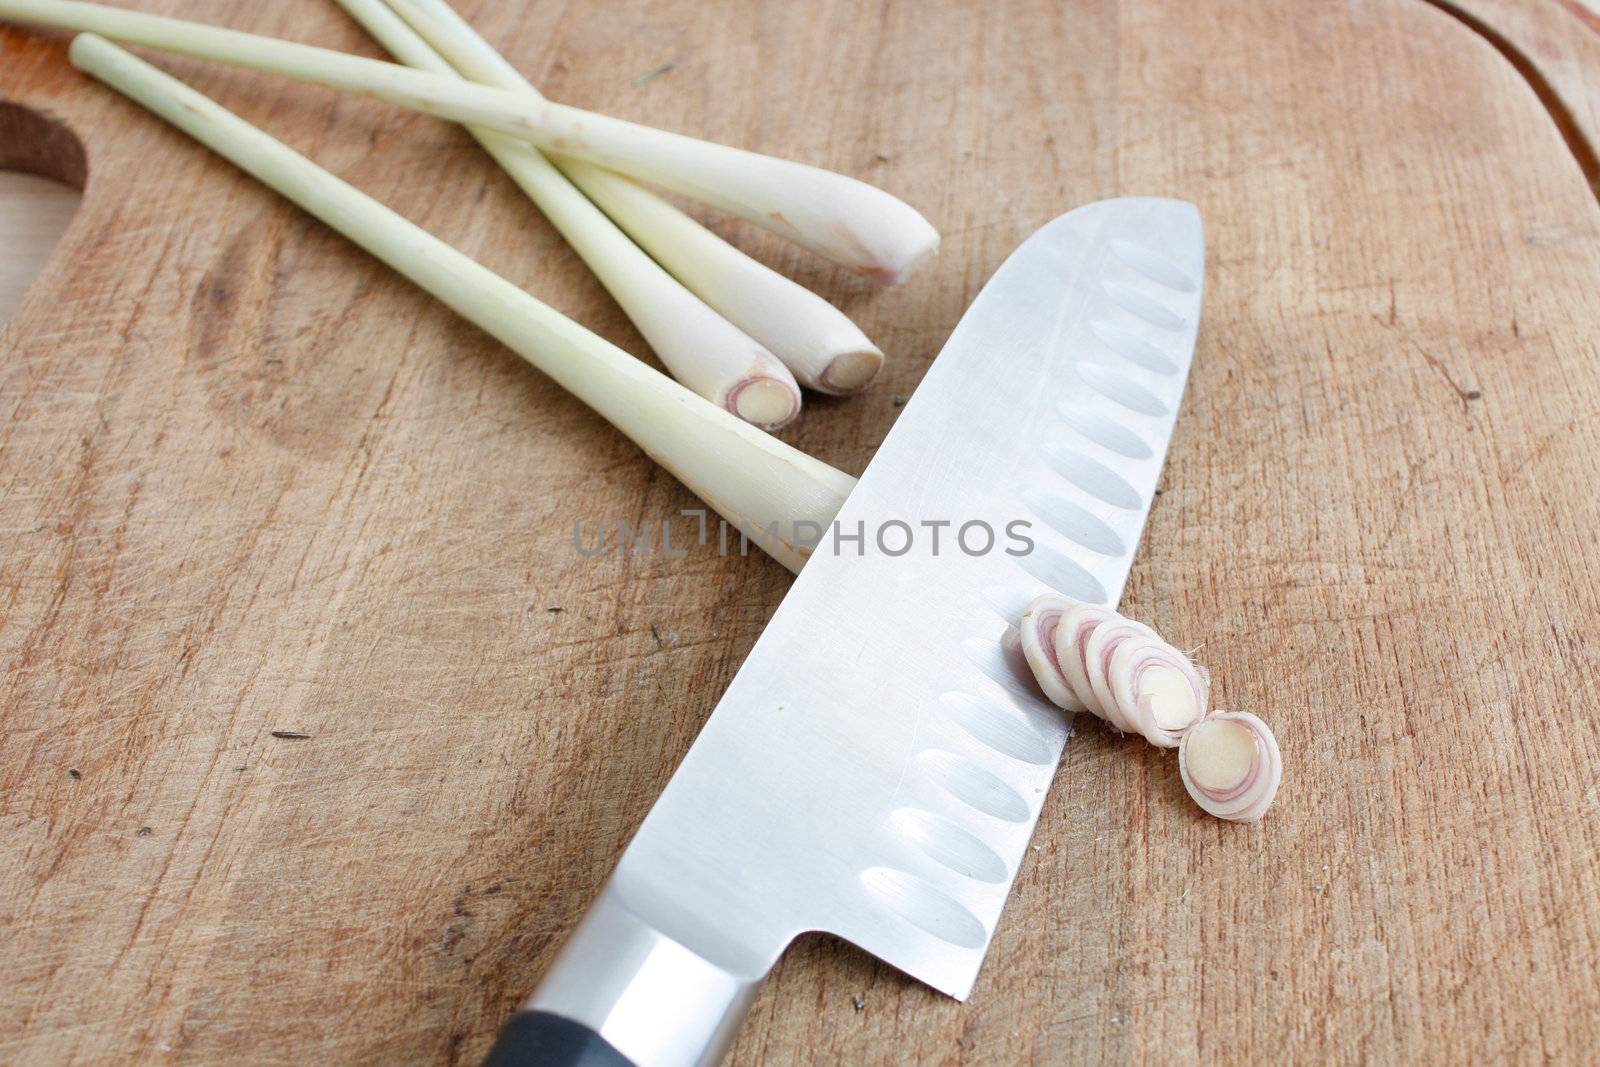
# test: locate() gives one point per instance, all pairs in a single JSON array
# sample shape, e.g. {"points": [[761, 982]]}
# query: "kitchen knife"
{"points": [[876, 767]]}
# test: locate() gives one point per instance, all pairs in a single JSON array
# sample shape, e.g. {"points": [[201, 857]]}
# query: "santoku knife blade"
{"points": [[876, 767]]}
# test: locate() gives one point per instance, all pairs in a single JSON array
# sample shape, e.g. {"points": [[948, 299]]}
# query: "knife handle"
{"points": [[539, 1039], [623, 994]]}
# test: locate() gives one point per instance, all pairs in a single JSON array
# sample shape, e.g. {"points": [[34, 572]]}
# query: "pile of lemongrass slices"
{"points": [[1089, 658], [730, 329]]}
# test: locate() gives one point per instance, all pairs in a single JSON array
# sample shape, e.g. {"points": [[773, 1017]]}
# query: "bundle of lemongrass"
{"points": [[735, 332], [1089, 658]]}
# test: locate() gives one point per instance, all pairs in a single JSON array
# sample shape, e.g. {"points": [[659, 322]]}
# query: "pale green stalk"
{"points": [[824, 349], [843, 219], [700, 348], [754, 480]]}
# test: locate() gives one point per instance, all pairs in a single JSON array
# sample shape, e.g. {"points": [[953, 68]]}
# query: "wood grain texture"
{"points": [[1555, 45], [34, 213], [250, 481]]}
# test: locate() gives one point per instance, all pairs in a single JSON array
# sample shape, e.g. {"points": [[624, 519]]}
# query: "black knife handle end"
{"points": [[540, 1039]]}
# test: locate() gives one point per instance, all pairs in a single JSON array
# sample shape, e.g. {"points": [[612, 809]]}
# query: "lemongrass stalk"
{"points": [[1097, 653], [844, 219], [824, 349], [700, 348], [755, 481], [1231, 765]]}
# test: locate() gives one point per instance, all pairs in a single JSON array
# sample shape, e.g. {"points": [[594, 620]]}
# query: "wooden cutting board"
{"points": [[34, 213], [250, 481]]}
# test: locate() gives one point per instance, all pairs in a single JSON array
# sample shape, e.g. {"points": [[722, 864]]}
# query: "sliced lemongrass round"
{"points": [[1011, 641], [1037, 632], [1155, 687], [1016, 661], [1231, 765], [1071, 641], [1098, 649], [767, 402], [852, 370]]}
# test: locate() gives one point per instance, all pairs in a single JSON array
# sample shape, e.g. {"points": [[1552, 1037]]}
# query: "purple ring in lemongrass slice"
{"points": [[1072, 636], [1098, 649], [1231, 765], [1156, 688], [1036, 635]]}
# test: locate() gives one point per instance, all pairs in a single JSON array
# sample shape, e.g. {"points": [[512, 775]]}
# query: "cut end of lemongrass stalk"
{"points": [[916, 248], [1231, 765], [765, 402], [851, 372]]}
